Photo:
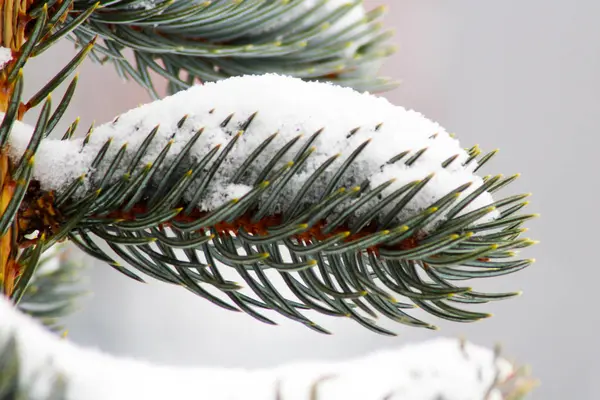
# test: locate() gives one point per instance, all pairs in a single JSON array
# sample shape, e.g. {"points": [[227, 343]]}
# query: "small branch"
{"points": [[293, 176]]}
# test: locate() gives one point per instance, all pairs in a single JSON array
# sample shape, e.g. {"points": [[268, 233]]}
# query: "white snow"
{"points": [[285, 105], [145, 4], [441, 368], [5, 56]]}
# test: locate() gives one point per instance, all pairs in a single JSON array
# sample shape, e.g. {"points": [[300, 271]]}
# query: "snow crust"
{"points": [[440, 368], [146, 5], [288, 106], [5, 56]]}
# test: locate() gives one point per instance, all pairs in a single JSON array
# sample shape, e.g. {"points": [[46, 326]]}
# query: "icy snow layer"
{"points": [[432, 370], [146, 5], [5, 56], [285, 105]]}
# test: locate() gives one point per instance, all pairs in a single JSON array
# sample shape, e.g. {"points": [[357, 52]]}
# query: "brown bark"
{"points": [[13, 21]]}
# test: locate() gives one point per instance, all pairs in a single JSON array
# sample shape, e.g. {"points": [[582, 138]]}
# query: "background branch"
{"points": [[444, 368], [185, 42]]}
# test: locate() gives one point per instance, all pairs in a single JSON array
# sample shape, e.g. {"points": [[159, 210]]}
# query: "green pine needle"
{"points": [[356, 270], [190, 41]]}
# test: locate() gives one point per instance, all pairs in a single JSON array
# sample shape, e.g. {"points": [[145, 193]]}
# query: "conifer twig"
{"points": [[190, 41], [359, 207]]}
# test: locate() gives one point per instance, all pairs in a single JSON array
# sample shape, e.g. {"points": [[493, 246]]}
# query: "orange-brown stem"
{"points": [[13, 34], [261, 227], [43, 216], [9, 269]]}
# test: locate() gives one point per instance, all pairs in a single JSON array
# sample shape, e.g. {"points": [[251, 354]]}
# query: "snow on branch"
{"points": [[250, 110], [5, 56], [439, 369], [341, 194]]}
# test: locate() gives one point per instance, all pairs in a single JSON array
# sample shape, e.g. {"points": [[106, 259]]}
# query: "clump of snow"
{"points": [[144, 4], [442, 368], [5, 56], [285, 105]]}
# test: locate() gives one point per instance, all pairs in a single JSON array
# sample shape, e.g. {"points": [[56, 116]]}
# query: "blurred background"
{"points": [[523, 76]]}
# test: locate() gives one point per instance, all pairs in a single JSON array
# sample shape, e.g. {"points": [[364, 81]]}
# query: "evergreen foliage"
{"points": [[350, 269], [338, 276], [191, 41]]}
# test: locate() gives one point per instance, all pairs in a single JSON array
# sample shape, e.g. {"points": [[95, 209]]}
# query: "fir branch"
{"points": [[213, 191], [54, 288], [187, 41], [442, 368], [387, 207]]}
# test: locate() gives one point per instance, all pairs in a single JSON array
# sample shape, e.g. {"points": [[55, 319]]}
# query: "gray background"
{"points": [[519, 75]]}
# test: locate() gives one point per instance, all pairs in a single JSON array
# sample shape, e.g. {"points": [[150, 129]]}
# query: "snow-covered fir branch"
{"points": [[251, 109], [440, 369], [330, 189]]}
